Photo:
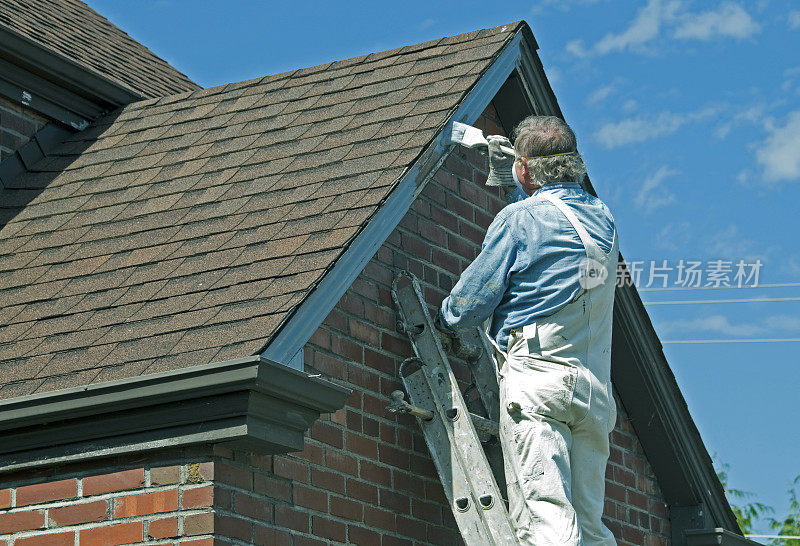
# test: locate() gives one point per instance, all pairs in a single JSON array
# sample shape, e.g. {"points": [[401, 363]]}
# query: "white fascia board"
{"points": [[302, 325]]}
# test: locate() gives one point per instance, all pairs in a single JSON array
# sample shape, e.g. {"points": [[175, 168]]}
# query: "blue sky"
{"points": [[688, 116]]}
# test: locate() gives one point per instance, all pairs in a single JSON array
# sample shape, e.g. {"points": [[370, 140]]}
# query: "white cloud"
{"points": [[652, 194], [752, 115], [646, 26], [425, 24], [793, 20], [790, 78], [783, 322], [643, 128], [729, 244], [562, 5], [779, 153], [674, 236], [602, 93], [720, 324], [729, 19], [630, 105]]}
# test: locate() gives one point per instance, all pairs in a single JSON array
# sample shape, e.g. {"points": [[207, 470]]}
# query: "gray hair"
{"points": [[544, 136]]}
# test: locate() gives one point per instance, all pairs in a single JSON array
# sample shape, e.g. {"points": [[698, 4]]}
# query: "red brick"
{"points": [[312, 499], [21, 521], [330, 365], [327, 480], [393, 456], [441, 535], [379, 518], [394, 501], [632, 535], [308, 541], [286, 516], [198, 524], [326, 528], [311, 453], [46, 492], [197, 497], [165, 475], [117, 481], [347, 349], [233, 476], [341, 462], [51, 539], [360, 535], [291, 468], [365, 492], [411, 528], [229, 526], [267, 536], [163, 528], [327, 433], [376, 474], [637, 499], [146, 503], [270, 486], [223, 498], [252, 507], [346, 509], [111, 535], [5, 498], [79, 513]]}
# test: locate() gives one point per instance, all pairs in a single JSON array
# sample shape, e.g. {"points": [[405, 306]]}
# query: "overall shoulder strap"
{"points": [[593, 251]]}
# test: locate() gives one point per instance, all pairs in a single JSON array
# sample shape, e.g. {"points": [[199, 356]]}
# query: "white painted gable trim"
{"points": [[287, 347]]}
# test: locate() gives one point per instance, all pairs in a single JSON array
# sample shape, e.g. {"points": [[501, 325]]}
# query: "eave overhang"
{"points": [[250, 403], [55, 86]]}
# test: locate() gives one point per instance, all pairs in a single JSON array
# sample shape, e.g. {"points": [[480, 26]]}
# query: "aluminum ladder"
{"points": [[454, 435]]}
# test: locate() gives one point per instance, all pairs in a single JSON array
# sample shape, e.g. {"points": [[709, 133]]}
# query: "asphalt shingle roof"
{"points": [[184, 230], [74, 30]]}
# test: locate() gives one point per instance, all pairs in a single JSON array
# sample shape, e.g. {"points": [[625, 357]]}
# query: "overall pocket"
{"points": [[544, 387]]}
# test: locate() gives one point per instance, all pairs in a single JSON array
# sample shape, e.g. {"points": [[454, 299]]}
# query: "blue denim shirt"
{"points": [[528, 264]]}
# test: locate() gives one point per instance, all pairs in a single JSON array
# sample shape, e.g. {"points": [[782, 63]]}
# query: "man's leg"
{"points": [[589, 457], [536, 451]]}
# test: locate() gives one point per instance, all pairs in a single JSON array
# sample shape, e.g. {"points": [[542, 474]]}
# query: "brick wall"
{"points": [[17, 126], [107, 505], [365, 476]]}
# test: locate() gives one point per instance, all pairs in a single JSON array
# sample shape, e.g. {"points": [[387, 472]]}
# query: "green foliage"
{"points": [[789, 525], [745, 513]]}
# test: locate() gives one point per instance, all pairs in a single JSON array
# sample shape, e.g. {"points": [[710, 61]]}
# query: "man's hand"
{"points": [[500, 163], [446, 334]]}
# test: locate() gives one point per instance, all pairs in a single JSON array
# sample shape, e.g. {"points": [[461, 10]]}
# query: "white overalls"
{"points": [[557, 410]]}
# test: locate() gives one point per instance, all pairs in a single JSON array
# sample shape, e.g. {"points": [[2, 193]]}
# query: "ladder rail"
{"points": [[450, 434]]}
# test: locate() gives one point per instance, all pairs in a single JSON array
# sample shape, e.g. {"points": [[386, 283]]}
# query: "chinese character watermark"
{"points": [[689, 274]]}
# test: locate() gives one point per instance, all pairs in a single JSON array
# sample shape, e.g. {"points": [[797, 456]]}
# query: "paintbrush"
{"points": [[472, 137]]}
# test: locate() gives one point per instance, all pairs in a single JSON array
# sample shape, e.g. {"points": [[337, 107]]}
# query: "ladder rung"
{"points": [[485, 428]]}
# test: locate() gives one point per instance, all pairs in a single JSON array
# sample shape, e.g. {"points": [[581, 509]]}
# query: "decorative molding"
{"points": [[250, 403]]}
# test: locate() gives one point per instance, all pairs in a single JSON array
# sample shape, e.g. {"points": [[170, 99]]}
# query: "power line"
{"points": [[697, 302], [772, 536], [776, 340], [681, 288]]}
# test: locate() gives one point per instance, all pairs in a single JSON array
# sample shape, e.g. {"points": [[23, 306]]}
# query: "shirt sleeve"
{"points": [[483, 284]]}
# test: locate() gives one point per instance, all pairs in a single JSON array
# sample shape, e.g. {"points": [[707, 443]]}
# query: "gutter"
{"points": [[248, 403]]}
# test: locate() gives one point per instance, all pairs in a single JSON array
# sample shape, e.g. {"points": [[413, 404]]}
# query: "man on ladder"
{"points": [[544, 285]]}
